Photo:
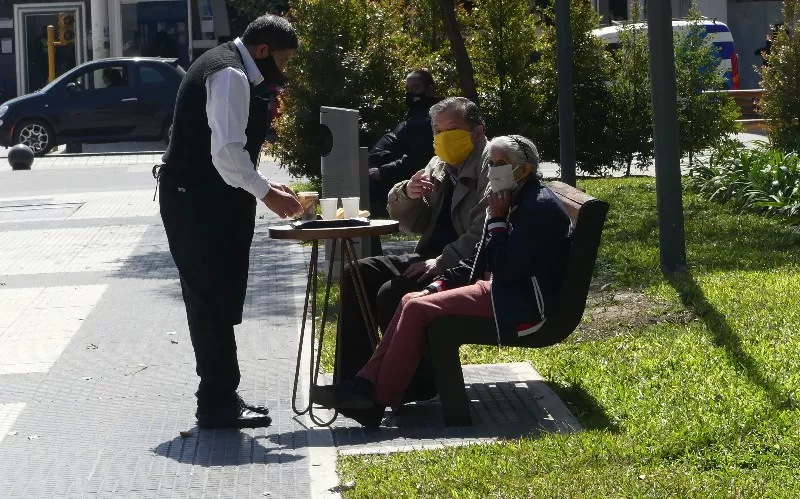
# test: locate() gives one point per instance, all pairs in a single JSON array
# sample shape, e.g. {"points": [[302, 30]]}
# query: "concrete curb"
{"points": [[89, 154]]}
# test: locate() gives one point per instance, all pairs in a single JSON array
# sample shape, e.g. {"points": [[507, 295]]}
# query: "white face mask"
{"points": [[501, 178]]}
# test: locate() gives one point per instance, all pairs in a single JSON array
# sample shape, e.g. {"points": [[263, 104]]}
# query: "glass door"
{"points": [[66, 57], [155, 29]]}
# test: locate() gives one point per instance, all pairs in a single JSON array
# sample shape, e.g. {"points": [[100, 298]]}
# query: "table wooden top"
{"points": [[375, 228]]}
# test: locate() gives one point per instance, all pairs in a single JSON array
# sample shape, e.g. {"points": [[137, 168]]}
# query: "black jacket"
{"points": [[526, 255], [407, 149]]}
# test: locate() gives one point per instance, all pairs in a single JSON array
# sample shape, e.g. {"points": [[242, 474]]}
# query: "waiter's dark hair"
{"points": [[272, 30]]}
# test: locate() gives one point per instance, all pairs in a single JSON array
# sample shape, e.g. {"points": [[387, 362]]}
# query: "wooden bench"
{"points": [[447, 334]]}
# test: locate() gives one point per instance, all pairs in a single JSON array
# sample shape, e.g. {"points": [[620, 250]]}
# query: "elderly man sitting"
{"points": [[442, 202]]}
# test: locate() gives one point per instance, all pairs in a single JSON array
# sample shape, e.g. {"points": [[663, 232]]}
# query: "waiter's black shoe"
{"points": [[260, 409], [356, 394], [232, 417]]}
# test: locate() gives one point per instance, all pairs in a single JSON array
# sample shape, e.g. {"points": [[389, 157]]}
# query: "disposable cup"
{"points": [[308, 200], [350, 206], [329, 206]]}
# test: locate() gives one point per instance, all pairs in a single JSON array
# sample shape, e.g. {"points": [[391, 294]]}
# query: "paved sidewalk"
{"points": [[97, 370], [96, 366]]}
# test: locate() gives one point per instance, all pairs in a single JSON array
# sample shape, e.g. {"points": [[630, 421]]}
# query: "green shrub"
{"points": [[632, 112], [764, 179], [502, 39], [704, 117], [591, 74], [353, 54], [781, 81], [429, 47]]}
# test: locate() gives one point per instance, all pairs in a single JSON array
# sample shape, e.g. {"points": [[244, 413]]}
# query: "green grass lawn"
{"points": [[693, 394]]}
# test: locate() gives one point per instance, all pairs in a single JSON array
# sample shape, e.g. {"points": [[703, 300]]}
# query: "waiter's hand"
{"points": [[282, 187], [282, 201]]}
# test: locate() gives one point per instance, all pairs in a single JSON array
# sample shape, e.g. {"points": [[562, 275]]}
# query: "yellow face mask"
{"points": [[453, 146]]}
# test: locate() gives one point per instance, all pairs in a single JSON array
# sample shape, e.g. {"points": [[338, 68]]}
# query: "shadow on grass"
{"points": [[693, 298], [585, 408]]}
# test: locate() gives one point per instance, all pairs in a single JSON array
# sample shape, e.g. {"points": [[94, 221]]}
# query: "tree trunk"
{"points": [[459, 50]]}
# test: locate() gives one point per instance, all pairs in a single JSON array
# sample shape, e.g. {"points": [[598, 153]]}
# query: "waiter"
{"points": [[209, 190]]}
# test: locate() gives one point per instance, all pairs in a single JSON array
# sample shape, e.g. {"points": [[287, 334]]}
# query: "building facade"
{"points": [[95, 29]]}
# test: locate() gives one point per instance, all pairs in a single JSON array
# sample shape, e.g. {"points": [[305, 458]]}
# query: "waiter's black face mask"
{"points": [[269, 70]]}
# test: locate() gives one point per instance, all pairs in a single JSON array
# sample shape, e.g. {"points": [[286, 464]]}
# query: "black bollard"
{"points": [[20, 157]]}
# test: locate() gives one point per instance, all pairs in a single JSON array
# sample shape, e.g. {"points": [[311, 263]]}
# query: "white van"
{"points": [[718, 33]]}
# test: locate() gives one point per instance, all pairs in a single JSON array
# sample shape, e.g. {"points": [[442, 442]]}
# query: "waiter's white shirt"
{"points": [[228, 109]]}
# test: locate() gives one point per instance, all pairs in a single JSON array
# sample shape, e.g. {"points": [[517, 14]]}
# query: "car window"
{"points": [[110, 77], [82, 80], [148, 75]]}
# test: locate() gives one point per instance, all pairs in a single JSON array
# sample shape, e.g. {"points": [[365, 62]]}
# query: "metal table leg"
{"points": [[311, 297], [348, 257], [349, 251]]}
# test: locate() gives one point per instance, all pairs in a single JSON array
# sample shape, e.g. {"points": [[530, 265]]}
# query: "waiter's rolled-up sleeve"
{"points": [[228, 109]]}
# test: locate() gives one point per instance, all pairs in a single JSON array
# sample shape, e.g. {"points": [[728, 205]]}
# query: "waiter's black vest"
{"points": [[188, 156]]}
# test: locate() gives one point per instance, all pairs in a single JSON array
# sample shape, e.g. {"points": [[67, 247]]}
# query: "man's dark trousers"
{"points": [[385, 287], [209, 236]]}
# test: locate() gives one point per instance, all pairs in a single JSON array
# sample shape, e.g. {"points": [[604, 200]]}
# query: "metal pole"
{"points": [[51, 53], [566, 107], [671, 237]]}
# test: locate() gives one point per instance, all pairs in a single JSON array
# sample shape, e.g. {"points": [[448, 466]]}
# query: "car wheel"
{"points": [[35, 134]]}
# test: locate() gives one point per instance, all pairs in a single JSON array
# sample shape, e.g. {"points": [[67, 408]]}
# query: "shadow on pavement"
{"points": [[208, 448], [500, 410]]}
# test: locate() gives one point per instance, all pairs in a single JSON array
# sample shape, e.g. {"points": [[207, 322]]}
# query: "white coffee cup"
{"points": [[350, 206], [329, 206]]}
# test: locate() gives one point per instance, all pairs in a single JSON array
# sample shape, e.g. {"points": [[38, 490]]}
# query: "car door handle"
{"points": [[131, 99]]}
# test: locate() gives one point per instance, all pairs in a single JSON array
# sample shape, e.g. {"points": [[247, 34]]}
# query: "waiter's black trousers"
{"points": [[385, 286], [209, 237]]}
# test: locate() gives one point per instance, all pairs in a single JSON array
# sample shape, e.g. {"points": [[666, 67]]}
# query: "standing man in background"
{"points": [[209, 189], [405, 150]]}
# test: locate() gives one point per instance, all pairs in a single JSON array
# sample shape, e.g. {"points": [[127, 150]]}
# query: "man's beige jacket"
{"points": [[419, 216]]}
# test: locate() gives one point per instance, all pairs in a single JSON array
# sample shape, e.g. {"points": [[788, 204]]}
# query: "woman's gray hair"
{"points": [[518, 150], [469, 110]]}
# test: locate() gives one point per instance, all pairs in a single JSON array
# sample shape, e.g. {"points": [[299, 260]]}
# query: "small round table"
{"points": [[341, 237]]}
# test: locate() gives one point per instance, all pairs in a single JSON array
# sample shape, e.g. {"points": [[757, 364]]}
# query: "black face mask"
{"points": [[415, 100], [269, 70]]}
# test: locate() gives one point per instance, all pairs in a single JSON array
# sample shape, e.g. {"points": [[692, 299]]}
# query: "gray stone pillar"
{"points": [[341, 168]]}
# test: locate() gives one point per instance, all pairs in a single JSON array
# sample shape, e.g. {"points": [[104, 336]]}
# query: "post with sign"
{"points": [[669, 193]]}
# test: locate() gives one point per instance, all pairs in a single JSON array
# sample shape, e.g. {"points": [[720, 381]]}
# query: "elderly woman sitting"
{"points": [[515, 278]]}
